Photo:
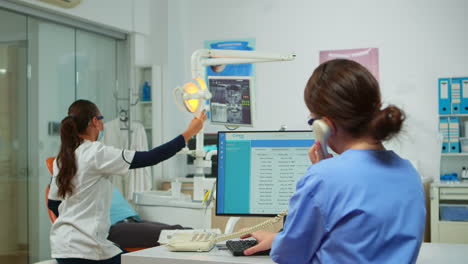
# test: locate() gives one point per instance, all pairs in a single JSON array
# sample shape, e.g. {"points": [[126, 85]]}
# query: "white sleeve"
{"points": [[110, 160]]}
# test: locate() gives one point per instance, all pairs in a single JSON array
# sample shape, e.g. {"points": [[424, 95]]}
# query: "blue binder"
{"points": [[454, 134], [455, 95], [444, 96], [444, 131], [464, 95]]}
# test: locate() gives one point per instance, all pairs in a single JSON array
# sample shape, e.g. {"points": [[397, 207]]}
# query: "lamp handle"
{"points": [[181, 107]]}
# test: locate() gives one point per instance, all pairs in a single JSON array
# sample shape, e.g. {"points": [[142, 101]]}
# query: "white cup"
{"points": [[176, 186]]}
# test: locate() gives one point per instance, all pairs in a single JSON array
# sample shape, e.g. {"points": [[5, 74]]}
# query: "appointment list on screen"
{"points": [[258, 171]]}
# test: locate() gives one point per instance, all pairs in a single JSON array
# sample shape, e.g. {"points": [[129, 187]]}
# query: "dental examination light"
{"points": [[195, 95]]}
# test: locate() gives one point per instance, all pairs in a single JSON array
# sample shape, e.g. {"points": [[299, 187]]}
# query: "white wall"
{"points": [[115, 14], [418, 42], [128, 16]]}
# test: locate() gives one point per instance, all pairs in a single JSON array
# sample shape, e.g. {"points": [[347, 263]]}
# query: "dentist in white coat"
{"points": [[80, 181]]}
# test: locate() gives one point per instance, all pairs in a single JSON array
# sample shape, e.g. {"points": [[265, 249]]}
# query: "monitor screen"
{"points": [[232, 103], [258, 170]]}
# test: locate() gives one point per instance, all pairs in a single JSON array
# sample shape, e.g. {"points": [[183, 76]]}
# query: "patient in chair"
{"points": [[127, 229]]}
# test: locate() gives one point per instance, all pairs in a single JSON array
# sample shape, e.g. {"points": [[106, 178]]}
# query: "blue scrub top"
{"points": [[120, 208], [364, 206]]}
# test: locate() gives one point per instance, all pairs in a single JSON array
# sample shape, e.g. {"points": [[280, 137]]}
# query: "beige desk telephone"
{"points": [[205, 241]]}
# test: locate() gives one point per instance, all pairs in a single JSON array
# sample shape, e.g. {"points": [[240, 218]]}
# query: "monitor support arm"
{"points": [[209, 57]]}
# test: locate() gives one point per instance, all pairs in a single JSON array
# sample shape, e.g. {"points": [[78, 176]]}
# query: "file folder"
{"points": [[444, 96], [464, 93], [455, 95], [444, 131], [454, 134]]}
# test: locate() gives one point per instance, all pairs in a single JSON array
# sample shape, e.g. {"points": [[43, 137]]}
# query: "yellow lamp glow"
{"points": [[193, 88]]}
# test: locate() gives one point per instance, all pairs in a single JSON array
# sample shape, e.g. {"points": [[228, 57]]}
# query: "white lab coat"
{"points": [[83, 224], [140, 179]]}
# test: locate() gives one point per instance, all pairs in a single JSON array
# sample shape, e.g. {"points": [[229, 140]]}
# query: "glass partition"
{"points": [[44, 67], [52, 90], [13, 139], [96, 68]]}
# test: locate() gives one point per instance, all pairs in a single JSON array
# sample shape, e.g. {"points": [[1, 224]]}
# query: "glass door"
{"points": [[44, 67], [51, 91], [96, 69], [13, 139]]}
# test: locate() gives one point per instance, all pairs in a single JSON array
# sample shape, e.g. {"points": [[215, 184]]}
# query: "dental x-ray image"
{"points": [[231, 101]]}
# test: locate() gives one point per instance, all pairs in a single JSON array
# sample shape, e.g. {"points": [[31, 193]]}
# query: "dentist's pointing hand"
{"points": [[195, 126]]}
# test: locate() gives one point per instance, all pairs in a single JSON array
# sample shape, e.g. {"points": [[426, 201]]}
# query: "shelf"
{"points": [[144, 102], [445, 222], [454, 154], [454, 115]]}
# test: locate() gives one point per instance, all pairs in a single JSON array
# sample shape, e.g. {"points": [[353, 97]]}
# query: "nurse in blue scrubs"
{"points": [[365, 205]]}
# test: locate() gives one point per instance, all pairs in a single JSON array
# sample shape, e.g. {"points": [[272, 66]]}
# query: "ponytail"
{"points": [[80, 114], [387, 123], [66, 160]]}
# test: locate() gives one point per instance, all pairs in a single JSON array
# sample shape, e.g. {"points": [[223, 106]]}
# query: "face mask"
{"points": [[101, 135]]}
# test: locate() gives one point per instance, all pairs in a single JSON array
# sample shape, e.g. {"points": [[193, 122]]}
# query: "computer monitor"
{"points": [[258, 170], [232, 102]]}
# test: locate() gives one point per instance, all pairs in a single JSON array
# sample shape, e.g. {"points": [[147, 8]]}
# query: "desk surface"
{"points": [[430, 253], [162, 255]]}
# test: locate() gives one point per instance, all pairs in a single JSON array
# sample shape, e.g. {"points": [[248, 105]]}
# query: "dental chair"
{"points": [[50, 166]]}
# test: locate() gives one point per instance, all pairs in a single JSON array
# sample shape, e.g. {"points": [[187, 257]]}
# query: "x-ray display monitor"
{"points": [[232, 103], [258, 170]]}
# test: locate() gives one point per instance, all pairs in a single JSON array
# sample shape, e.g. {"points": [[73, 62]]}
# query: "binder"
{"points": [[455, 95], [454, 134], [464, 95], [444, 96], [444, 131]]}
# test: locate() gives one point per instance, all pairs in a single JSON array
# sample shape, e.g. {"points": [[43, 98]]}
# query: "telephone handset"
{"points": [[205, 241], [322, 132]]}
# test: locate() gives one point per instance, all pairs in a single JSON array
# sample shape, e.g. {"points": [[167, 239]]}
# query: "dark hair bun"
{"points": [[387, 123]]}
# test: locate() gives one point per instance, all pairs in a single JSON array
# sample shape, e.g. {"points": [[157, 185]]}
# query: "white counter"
{"points": [[157, 206], [432, 253]]}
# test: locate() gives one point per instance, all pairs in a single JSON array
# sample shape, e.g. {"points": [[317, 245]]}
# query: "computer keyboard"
{"points": [[237, 247]]}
